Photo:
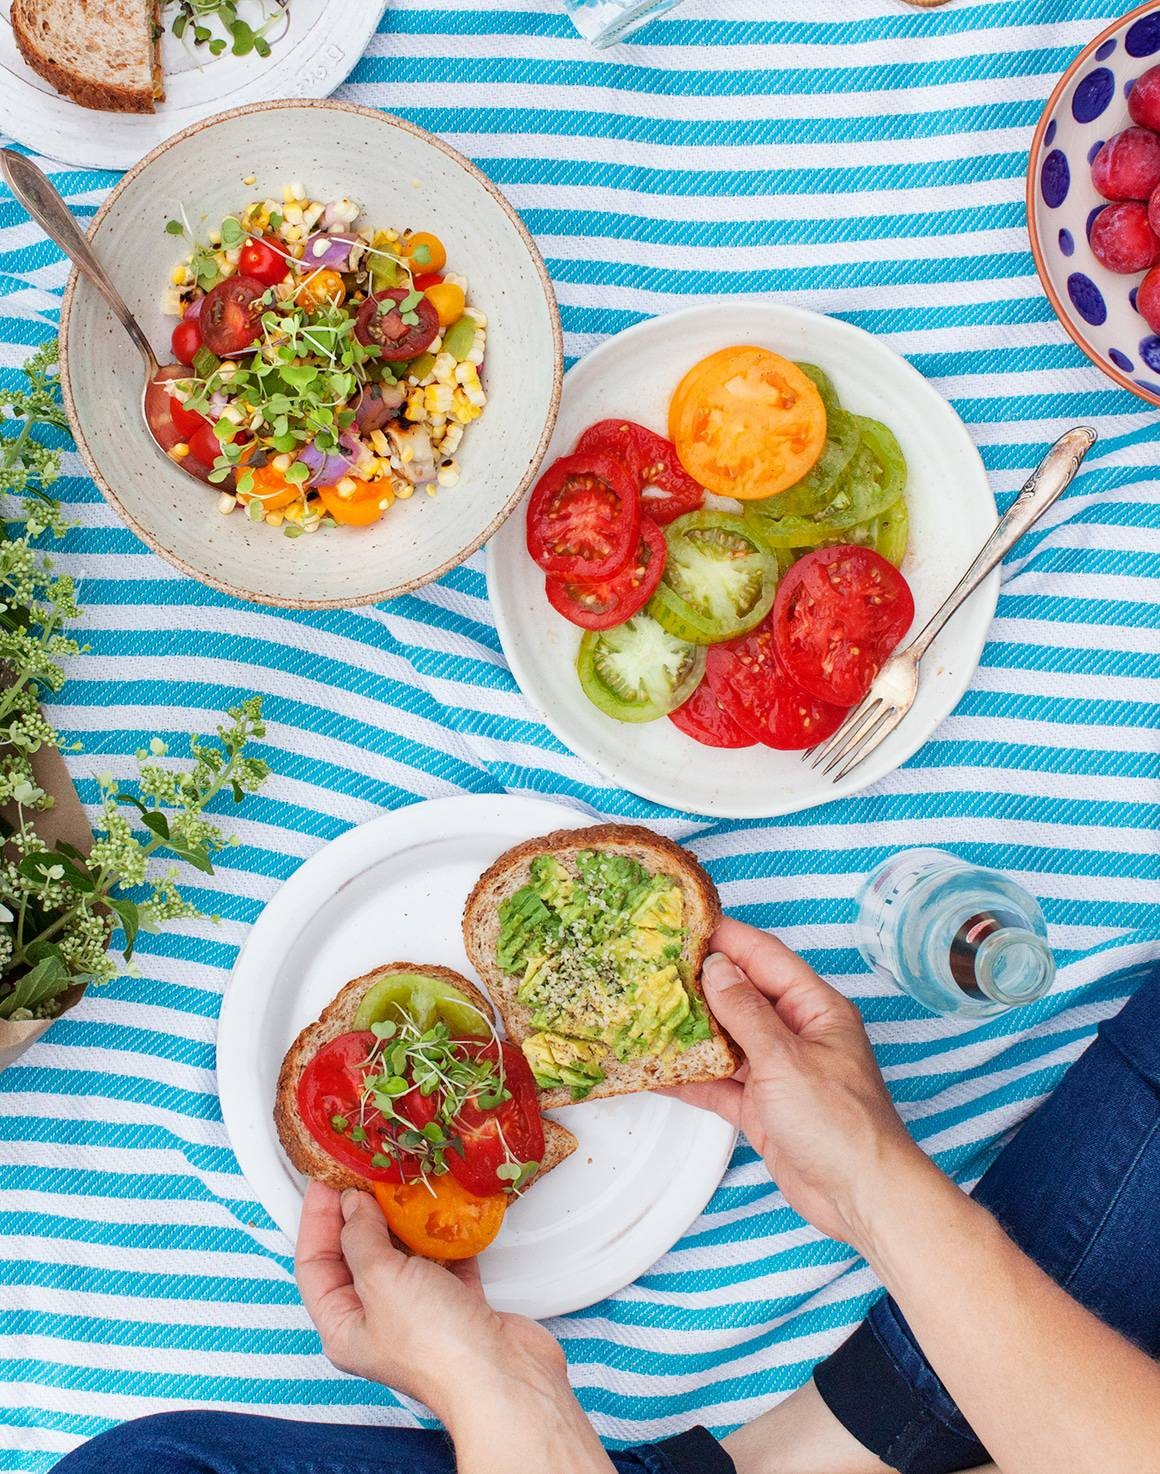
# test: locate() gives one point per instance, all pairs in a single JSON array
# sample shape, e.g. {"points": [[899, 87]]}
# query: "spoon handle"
{"points": [[40, 197]]}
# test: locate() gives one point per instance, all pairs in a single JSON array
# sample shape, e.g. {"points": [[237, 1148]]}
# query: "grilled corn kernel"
{"points": [[215, 237], [281, 463], [449, 474], [311, 217], [346, 488], [294, 512], [234, 255], [226, 370], [179, 451], [171, 303], [178, 275], [250, 180], [273, 519], [454, 279], [292, 233], [293, 192], [438, 397], [451, 439], [233, 414], [380, 442], [475, 357], [404, 490], [386, 502], [430, 488], [444, 369], [479, 317], [226, 503], [292, 215], [414, 410]]}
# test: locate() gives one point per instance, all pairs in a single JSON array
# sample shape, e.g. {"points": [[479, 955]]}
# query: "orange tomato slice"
{"points": [[272, 489], [444, 1221], [431, 251], [747, 423], [361, 508]]}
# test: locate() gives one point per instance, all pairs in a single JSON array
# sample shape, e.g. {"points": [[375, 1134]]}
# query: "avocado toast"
{"points": [[590, 943]]}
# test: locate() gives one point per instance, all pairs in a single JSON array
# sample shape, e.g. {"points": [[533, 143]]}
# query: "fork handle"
{"points": [[1050, 479]]}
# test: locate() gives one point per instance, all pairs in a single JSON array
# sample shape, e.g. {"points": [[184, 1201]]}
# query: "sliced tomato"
{"points": [[761, 696], [229, 317], [599, 604], [747, 422], [667, 488], [204, 446], [441, 1219], [264, 261], [706, 719], [584, 518], [361, 509], [160, 406], [330, 1091], [379, 321], [511, 1131], [839, 613]]}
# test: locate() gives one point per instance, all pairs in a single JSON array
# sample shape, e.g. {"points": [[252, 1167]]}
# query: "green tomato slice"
{"points": [[637, 671], [719, 581], [426, 1000], [824, 385], [814, 492]]}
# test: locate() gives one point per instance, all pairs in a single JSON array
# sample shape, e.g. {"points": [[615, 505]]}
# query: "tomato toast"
{"points": [[590, 942]]}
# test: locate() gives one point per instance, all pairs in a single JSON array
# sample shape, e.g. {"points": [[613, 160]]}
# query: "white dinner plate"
{"points": [[394, 890], [952, 512], [318, 49]]}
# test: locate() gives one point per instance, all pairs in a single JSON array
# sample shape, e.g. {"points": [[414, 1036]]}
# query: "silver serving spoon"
{"points": [[43, 201]]}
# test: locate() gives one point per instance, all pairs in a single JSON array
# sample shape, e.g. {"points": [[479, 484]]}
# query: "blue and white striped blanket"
{"points": [[853, 156]]}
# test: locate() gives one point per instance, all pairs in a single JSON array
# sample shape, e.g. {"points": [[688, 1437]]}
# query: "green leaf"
{"points": [[174, 227], [130, 919], [232, 233], [157, 823], [37, 986], [421, 255], [34, 867]]}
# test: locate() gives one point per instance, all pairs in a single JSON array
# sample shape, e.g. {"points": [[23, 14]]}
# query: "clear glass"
{"points": [[958, 938]]}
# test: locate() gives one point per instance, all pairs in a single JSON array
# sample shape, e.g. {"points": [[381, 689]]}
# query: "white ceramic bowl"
{"points": [[403, 177], [1088, 105]]}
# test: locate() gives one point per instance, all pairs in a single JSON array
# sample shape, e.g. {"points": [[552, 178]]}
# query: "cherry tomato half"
{"points": [[330, 1092], [599, 604], [513, 1130], [186, 339], [584, 518], [763, 699], [359, 510], [424, 280], [186, 421], [229, 319], [263, 261], [426, 251], [747, 423], [666, 487], [204, 446], [839, 613], [160, 406], [378, 323], [441, 1219]]}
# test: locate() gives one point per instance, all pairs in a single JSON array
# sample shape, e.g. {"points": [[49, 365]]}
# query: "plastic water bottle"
{"points": [[959, 939]]}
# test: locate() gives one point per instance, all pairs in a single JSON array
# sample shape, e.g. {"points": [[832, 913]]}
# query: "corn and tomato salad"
{"points": [[324, 368]]}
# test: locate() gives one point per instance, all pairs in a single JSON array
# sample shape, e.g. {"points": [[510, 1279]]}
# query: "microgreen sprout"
{"points": [[201, 22]]}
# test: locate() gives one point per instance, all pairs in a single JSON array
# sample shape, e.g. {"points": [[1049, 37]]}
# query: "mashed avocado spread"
{"points": [[599, 955]]}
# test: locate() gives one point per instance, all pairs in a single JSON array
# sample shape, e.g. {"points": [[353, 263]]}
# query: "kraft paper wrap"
{"points": [[65, 820]]}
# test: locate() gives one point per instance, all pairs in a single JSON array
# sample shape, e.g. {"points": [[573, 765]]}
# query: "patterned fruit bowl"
{"points": [[1093, 169]]}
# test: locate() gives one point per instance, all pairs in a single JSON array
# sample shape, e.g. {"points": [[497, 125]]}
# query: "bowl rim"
{"points": [[223, 585], [1049, 107]]}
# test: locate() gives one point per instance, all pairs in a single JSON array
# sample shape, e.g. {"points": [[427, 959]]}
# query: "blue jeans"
{"points": [[1078, 1188]]}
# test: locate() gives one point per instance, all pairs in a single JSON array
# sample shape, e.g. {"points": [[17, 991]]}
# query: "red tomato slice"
{"points": [[839, 613], [490, 1138], [186, 340], [598, 605], [762, 698], [160, 404], [264, 262], [706, 719], [228, 318], [396, 338], [187, 421], [667, 489], [330, 1089], [584, 518]]}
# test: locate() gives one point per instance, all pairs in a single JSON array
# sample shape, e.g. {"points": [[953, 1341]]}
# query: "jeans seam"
{"points": [[925, 1410], [1125, 1178]]}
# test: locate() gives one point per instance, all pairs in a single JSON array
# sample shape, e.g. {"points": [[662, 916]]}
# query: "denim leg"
{"points": [[1077, 1188], [197, 1442]]}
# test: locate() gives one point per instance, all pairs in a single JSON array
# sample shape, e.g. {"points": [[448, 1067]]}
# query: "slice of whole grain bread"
{"points": [[338, 1018], [98, 53], [715, 1058]]}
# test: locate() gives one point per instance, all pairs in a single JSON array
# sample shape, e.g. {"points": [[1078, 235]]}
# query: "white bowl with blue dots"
{"points": [[1089, 105]]}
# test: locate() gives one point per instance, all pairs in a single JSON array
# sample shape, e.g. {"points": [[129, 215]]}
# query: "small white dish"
{"points": [[394, 890], [952, 511], [402, 176], [319, 47]]}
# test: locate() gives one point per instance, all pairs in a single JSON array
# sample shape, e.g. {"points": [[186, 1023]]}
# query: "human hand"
{"points": [[810, 1096], [410, 1323]]}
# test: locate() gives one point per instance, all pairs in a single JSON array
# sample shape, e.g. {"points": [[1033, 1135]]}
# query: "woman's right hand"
{"points": [[810, 1096]]}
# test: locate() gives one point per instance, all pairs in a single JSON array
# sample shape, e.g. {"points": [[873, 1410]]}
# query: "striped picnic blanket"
{"points": [[856, 157]]}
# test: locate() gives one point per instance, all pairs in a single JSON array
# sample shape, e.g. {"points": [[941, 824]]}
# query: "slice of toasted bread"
{"points": [[98, 53], [338, 1018], [714, 1058]]}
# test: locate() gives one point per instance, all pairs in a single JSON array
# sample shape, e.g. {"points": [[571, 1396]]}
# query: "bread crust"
{"points": [[713, 1059], [109, 97], [338, 1018]]}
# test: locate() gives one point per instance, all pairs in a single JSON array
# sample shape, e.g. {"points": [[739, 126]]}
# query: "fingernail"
{"points": [[349, 1202], [720, 971]]}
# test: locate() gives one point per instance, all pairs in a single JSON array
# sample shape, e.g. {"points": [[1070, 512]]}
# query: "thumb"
{"points": [[739, 1007], [366, 1239]]}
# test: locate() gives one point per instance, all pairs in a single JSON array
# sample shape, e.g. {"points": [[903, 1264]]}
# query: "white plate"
{"points": [[952, 512], [324, 40], [394, 890]]}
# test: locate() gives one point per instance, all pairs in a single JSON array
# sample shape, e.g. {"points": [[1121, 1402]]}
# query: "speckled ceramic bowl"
{"points": [[403, 177], [1089, 105]]}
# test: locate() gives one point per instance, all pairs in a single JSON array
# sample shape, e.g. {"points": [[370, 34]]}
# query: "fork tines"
{"points": [[864, 728]]}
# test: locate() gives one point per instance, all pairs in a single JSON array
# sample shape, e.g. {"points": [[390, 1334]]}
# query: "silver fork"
{"points": [[892, 693]]}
